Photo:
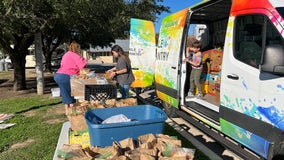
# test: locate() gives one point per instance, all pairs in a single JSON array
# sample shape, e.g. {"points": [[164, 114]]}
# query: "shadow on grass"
{"points": [[3, 80], [36, 107]]}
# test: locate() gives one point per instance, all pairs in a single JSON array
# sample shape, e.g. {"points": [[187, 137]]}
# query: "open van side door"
{"points": [[142, 52], [168, 58]]}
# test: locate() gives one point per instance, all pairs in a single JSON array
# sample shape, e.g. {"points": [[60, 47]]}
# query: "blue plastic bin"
{"points": [[145, 119]]}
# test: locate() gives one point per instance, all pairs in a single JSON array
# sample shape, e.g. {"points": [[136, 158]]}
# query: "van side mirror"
{"points": [[273, 59]]}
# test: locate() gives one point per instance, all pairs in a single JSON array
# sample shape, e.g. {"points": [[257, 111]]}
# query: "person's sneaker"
{"points": [[189, 95], [200, 95]]}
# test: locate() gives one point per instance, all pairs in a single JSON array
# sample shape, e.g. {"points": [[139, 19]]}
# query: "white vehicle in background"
{"points": [[6, 62], [31, 61]]}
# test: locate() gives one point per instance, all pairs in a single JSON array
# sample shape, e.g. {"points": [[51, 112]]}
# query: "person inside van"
{"points": [[189, 45], [196, 63]]}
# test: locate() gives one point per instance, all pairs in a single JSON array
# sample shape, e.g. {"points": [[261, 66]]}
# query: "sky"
{"points": [[175, 6]]}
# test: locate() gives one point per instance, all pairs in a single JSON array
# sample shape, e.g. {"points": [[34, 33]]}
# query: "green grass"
{"points": [[40, 138]]}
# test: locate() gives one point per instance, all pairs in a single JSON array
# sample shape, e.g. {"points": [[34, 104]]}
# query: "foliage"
{"points": [[90, 22]]}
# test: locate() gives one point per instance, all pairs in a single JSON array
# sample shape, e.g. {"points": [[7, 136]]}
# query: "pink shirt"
{"points": [[71, 63]]}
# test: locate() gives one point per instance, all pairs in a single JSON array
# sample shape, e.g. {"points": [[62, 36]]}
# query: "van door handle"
{"points": [[233, 76], [135, 68], [174, 67]]}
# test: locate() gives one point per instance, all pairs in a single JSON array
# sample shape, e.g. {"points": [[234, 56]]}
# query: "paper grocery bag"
{"points": [[77, 122]]}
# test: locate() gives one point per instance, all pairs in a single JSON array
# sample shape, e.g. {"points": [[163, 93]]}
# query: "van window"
{"points": [[280, 11], [253, 33], [248, 39]]}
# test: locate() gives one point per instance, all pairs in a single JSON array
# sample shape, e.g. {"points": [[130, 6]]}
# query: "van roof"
{"points": [[215, 10]]}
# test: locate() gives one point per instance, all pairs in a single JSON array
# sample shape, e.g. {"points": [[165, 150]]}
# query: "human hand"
{"points": [[112, 74]]}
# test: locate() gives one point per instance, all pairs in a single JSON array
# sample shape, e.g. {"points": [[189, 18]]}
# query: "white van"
{"points": [[243, 82]]}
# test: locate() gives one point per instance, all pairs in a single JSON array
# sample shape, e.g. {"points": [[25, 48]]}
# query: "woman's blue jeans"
{"points": [[124, 90], [63, 81]]}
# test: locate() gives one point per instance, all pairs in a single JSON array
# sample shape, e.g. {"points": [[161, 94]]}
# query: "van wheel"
{"points": [[170, 110]]}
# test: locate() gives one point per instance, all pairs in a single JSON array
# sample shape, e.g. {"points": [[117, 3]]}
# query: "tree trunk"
{"points": [[48, 67], [18, 58], [19, 62], [39, 64]]}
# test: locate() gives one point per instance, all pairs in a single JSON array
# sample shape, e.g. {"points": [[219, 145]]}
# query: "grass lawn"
{"points": [[38, 124], [36, 131]]}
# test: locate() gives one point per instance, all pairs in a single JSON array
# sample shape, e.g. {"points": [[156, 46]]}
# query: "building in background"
{"points": [[103, 55]]}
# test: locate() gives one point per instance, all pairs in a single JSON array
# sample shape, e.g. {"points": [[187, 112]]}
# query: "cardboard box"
{"points": [[80, 137], [78, 86], [217, 92]]}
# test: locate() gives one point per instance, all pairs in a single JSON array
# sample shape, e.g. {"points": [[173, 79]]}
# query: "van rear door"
{"points": [[142, 52], [168, 58]]}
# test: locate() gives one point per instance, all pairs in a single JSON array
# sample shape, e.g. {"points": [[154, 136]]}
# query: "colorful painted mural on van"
{"points": [[142, 52], [265, 107], [168, 53]]}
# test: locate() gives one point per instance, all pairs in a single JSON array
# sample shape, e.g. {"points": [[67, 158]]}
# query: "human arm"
{"points": [[193, 63], [80, 62], [121, 68], [111, 70], [196, 60], [71, 63], [187, 52]]}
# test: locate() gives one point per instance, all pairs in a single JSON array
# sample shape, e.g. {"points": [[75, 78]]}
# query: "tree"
{"points": [[20, 20], [96, 23], [17, 34], [99, 24]]}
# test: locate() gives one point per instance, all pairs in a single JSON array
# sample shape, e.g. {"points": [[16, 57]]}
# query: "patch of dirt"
{"points": [[54, 111], [29, 113], [23, 144], [6, 85], [57, 120], [6, 91]]}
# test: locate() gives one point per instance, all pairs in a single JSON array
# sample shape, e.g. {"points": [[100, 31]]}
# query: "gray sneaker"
{"points": [[189, 94], [200, 95]]}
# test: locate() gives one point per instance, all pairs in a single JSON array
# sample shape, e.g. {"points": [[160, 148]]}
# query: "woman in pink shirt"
{"points": [[71, 64]]}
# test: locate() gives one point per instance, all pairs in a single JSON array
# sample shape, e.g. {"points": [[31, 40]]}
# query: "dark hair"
{"points": [[197, 44], [121, 53]]}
